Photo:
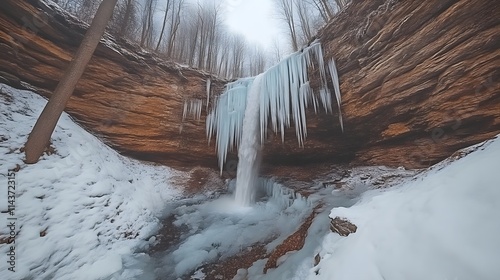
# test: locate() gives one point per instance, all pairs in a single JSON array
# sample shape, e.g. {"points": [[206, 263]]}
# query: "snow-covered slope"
{"points": [[443, 225], [83, 211], [78, 210]]}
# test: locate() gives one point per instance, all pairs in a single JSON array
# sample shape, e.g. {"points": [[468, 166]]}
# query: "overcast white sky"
{"points": [[255, 19]]}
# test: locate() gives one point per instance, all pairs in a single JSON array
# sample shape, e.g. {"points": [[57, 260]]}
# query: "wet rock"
{"points": [[317, 259], [342, 226]]}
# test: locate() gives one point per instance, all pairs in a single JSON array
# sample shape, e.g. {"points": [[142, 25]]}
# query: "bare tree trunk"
{"points": [[326, 8], [305, 21], [287, 13], [341, 3], [174, 26], [165, 17], [147, 24], [128, 19], [40, 135]]}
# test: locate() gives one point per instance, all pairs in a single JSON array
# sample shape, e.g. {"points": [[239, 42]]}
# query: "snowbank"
{"points": [[442, 225], [79, 210]]}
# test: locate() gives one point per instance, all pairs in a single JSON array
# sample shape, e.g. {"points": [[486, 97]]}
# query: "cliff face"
{"points": [[419, 80], [129, 98]]}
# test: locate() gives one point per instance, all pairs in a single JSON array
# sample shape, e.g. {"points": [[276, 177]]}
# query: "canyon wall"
{"points": [[419, 80], [131, 99]]}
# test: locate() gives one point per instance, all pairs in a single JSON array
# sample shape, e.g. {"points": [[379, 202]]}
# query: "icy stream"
{"points": [[214, 227]]}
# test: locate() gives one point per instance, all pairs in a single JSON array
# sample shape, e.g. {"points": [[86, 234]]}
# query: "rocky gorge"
{"points": [[419, 81]]}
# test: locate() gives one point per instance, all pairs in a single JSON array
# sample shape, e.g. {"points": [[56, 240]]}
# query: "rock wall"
{"points": [[419, 80], [131, 99]]}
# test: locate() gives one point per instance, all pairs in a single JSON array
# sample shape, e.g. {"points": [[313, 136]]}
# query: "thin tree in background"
{"points": [[304, 17], [39, 137], [147, 23], [286, 11], [87, 9], [341, 3], [168, 7], [175, 22], [124, 23], [186, 31], [323, 7], [306, 21], [128, 23]]}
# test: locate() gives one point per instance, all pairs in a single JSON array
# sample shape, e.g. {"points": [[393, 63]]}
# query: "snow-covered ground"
{"points": [[85, 212], [80, 210], [443, 224]]}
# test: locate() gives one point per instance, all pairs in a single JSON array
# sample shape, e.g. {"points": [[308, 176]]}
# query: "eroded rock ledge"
{"points": [[131, 99], [419, 80]]}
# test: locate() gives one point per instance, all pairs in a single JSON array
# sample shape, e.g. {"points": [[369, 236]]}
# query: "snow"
{"points": [[95, 207], [443, 224], [85, 212]]}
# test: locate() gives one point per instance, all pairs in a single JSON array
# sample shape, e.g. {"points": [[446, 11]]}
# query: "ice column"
{"points": [[276, 99], [249, 148]]}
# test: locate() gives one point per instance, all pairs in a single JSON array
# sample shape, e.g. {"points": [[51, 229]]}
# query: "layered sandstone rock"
{"points": [[419, 80], [129, 98]]}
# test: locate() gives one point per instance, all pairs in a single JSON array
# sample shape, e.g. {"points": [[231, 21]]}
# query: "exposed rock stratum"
{"points": [[419, 80]]}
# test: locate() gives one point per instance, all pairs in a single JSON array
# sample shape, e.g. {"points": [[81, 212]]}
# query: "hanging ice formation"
{"points": [[209, 84], [284, 96], [192, 108]]}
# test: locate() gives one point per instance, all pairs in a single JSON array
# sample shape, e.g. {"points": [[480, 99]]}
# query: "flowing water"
{"points": [[249, 152]]}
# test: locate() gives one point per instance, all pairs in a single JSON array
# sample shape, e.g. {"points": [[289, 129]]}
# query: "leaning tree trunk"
{"points": [[40, 135]]}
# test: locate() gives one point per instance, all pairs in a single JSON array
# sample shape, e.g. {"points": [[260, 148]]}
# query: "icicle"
{"points": [[209, 83], [226, 118], [192, 108], [185, 110], [285, 94], [336, 86]]}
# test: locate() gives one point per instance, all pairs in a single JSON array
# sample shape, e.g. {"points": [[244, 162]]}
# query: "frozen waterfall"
{"points": [[275, 99], [249, 148]]}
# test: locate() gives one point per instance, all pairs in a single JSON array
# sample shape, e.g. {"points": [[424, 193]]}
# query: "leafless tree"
{"points": [[238, 48], [39, 137], [287, 14], [189, 32], [305, 20], [277, 51], [324, 7], [304, 17], [123, 24], [174, 26], [168, 7], [87, 9], [256, 61], [342, 3], [147, 23]]}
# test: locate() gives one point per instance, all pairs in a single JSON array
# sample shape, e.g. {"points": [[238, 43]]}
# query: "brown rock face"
{"points": [[129, 98], [419, 80], [342, 226]]}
